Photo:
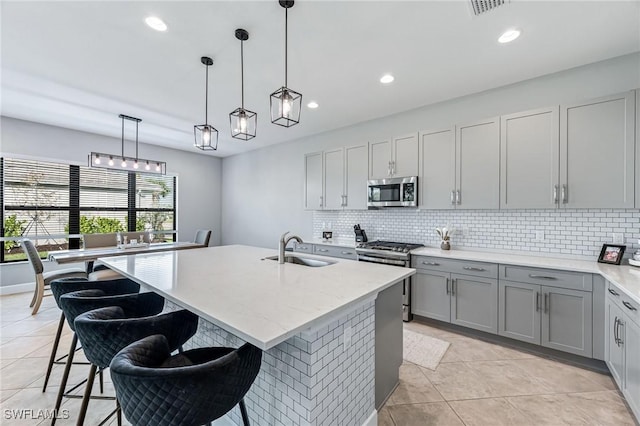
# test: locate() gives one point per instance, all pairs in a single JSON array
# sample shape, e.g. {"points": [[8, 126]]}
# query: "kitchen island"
{"points": [[315, 324]]}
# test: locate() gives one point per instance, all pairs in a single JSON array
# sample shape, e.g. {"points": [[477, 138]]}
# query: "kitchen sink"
{"points": [[314, 263]]}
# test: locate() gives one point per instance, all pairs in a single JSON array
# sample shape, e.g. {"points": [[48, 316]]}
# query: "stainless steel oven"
{"points": [[391, 253], [392, 192]]}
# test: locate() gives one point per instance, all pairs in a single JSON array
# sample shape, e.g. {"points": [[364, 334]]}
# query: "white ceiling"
{"points": [[79, 64]]}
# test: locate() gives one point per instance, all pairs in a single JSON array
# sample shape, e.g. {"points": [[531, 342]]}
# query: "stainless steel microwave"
{"points": [[392, 192]]}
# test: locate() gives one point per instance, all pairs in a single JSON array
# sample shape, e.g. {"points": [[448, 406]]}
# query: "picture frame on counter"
{"points": [[611, 254], [327, 235]]}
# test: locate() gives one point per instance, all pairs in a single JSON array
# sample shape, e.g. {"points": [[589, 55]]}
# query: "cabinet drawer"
{"points": [[478, 269], [303, 248], [624, 302], [333, 251], [548, 277]]}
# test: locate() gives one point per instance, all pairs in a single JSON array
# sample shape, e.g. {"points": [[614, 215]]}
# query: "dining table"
{"points": [[93, 254]]}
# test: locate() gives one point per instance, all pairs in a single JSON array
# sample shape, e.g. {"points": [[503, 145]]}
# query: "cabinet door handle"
{"points": [[321, 201], [345, 201], [565, 198], [453, 286], [547, 304], [613, 292], [447, 286], [537, 301], [431, 263], [629, 306], [453, 197], [542, 277], [323, 250], [393, 167], [389, 168], [458, 197], [302, 248], [620, 324], [615, 331], [347, 252], [472, 268], [555, 194]]}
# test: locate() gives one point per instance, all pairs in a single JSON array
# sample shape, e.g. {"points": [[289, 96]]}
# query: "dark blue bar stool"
{"points": [[79, 302], [66, 285], [191, 388]]}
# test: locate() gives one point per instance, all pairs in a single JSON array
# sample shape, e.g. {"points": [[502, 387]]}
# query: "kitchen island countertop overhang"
{"points": [[257, 299]]}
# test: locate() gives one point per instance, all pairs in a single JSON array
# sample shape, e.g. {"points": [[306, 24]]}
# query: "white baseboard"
{"points": [[372, 420], [17, 288]]}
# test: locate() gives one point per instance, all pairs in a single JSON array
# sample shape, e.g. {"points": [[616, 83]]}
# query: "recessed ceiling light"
{"points": [[509, 36], [156, 23], [312, 105], [386, 79]]}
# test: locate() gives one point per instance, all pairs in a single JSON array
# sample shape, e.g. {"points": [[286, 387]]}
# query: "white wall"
{"points": [[262, 193], [199, 176]]}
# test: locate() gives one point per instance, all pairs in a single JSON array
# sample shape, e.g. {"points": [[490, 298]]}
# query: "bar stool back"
{"points": [[191, 388], [66, 285], [104, 332]]}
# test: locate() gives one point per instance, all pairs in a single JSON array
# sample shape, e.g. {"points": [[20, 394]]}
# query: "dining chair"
{"points": [[43, 279], [202, 237]]}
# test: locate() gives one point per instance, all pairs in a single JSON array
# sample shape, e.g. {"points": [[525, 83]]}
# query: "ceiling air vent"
{"points": [[482, 6]]}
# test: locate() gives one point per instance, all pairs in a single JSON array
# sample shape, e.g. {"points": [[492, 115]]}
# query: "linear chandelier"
{"points": [[125, 163]]}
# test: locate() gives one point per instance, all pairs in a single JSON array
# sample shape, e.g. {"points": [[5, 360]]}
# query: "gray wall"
{"points": [[199, 176], [262, 193]]}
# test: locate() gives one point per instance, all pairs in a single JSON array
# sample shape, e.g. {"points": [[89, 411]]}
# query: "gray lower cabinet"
{"points": [[465, 300], [566, 320], [430, 295], [554, 317], [474, 302], [623, 345], [519, 311]]}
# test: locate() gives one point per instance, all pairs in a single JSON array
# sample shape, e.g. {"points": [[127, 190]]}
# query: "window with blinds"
{"points": [[53, 203]]}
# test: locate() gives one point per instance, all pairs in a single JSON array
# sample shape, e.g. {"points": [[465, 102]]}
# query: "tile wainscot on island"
{"points": [[316, 325]]}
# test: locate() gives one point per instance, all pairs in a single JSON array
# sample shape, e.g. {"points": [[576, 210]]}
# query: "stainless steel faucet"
{"points": [[283, 245]]}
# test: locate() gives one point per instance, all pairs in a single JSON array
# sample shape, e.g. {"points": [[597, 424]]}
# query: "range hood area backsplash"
{"points": [[577, 233]]}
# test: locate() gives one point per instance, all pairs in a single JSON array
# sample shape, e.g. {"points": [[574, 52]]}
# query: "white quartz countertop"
{"points": [[258, 300], [338, 242], [626, 277]]}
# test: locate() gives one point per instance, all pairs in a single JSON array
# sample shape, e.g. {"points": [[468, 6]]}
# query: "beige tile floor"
{"points": [[476, 383]]}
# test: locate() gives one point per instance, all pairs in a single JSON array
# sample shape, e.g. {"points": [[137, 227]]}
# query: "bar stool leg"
{"points": [[65, 377], [119, 412], [101, 380], [243, 411], [52, 358], [87, 395]]}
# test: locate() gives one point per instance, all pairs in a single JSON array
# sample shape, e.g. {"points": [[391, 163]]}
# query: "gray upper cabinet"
{"points": [[566, 322], [313, 198], [394, 157], [356, 174], [638, 149], [478, 165], [380, 159], [437, 182], [597, 153], [333, 179], [405, 156], [529, 159]]}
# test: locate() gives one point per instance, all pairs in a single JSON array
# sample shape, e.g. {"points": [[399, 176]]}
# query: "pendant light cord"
{"points": [[286, 48], [137, 122], [122, 137], [206, 98], [242, 70]]}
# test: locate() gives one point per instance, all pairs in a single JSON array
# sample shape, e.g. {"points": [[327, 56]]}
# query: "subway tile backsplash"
{"points": [[577, 233]]}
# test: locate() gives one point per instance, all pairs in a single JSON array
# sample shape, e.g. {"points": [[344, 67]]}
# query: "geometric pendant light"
{"points": [[285, 103], [124, 163], [206, 136], [243, 122]]}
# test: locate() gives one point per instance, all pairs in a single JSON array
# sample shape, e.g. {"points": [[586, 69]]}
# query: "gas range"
{"points": [[386, 252]]}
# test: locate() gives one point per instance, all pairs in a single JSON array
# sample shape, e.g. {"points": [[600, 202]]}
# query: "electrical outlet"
{"points": [[617, 238], [347, 337], [539, 236]]}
